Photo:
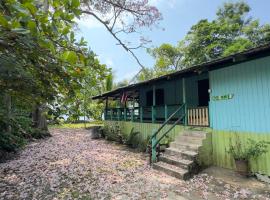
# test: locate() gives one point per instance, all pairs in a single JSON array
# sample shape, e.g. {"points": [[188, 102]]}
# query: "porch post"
{"points": [[154, 105], [166, 112], [111, 114], [125, 111], [132, 110], [184, 100], [125, 114], [141, 114]]}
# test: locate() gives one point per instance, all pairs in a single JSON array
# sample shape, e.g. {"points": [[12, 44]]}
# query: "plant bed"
{"points": [[242, 154]]}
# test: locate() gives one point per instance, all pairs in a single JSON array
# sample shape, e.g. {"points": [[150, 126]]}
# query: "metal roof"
{"points": [[250, 54]]}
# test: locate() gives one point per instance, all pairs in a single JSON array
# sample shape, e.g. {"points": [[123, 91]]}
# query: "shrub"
{"points": [[10, 142], [252, 150], [134, 139]]}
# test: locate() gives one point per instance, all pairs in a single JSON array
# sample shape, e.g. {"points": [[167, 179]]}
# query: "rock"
{"points": [[263, 178], [95, 132]]}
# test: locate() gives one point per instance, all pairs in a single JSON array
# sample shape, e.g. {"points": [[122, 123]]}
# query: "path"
{"points": [[70, 165]]}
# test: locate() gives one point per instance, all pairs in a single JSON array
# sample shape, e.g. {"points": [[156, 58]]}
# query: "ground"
{"points": [[70, 165]]}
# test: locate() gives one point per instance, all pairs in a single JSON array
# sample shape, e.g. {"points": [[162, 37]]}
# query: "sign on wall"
{"points": [[223, 97]]}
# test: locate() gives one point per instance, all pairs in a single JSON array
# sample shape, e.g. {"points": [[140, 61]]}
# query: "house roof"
{"points": [[247, 55]]}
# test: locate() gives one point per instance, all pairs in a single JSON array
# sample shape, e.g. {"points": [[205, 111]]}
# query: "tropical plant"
{"points": [[252, 150]]}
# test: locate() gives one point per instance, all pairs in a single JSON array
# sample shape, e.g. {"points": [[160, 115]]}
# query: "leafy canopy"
{"points": [[232, 31]]}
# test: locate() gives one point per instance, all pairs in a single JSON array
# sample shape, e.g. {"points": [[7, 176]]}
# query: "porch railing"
{"points": [[198, 116], [142, 114], [154, 141]]}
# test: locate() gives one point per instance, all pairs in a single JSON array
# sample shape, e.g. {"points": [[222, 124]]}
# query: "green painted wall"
{"points": [[173, 94], [221, 143], [145, 129]]}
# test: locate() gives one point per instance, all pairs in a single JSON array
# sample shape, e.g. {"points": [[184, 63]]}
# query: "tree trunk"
{"points": [[39, 118], [7, 103]]}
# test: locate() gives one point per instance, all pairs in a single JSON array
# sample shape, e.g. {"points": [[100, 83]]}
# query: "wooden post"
{"points": [[132, 114], [125, 114], [111, 114], [184, 100], [184, 90], [154, 105], [118, 114], [166, 112], [141, 114]]}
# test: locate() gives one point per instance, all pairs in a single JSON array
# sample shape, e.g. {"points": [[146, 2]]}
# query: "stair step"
{"points": [[180, 162], [200, 134], [186, 154], [172, 170], [184, 145], [189, 139]]}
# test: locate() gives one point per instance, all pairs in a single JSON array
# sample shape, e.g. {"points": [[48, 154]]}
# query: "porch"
{"points": [[194, 116], [160, 101]]}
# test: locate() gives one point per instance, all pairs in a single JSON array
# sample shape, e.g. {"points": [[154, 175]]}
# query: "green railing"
{"points": [[141, 114], [155, 141]]}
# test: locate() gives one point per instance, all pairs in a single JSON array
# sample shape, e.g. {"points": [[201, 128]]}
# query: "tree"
{"points": [[40, 58], [123, 17], [168, 58], [231, 32], [42, 62]]}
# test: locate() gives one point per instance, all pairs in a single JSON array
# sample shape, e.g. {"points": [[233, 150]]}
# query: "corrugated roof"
{"points": [[250, 54]]}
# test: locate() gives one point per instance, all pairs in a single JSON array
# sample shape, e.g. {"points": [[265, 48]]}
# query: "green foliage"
{"points": [[42, 63], [134, 139], [232, 31], [168, 58], [252, 150], [114, 133], [11, 142]]}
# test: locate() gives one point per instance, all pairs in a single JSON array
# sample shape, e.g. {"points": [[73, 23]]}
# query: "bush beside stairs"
{"points": [[182, 158]]}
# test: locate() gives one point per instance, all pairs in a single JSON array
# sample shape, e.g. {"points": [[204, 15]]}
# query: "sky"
{"points": [[178, 17]]}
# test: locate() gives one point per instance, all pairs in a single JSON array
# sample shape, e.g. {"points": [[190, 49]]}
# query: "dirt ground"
{"points": [[70, 165]]}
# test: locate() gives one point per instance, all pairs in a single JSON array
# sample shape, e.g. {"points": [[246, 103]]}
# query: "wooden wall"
{"points": [[249, 109]]}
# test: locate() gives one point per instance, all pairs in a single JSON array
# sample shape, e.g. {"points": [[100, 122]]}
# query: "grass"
{"points": [[77, 125]]}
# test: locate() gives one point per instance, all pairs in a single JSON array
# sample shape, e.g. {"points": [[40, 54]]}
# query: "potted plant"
{"points": [[243, 153]]}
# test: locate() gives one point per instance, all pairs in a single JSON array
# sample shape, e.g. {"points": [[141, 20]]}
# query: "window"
{"points": [[159, 97]]}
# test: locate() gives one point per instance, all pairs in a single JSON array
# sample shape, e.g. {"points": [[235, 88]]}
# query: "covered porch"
{"points": [[156, 101]]}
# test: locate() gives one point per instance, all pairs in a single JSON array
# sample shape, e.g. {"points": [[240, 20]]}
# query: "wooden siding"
{"points": [[221, 144], [145, 129], [173, 93], [249, 109]]}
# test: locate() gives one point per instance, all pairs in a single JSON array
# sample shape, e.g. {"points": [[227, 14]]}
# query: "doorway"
{"points": [[203, 94]]}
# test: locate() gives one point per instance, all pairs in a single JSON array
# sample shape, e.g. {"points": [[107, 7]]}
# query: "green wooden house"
{"points": [[201, 108]]}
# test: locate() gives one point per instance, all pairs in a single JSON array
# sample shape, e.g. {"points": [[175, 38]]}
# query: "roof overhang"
{"points": [[250, 54]]}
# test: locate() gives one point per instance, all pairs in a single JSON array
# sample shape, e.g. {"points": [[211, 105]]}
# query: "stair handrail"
{"points": [[155, 142]]}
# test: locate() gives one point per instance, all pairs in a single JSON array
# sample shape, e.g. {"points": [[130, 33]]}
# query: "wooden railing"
{"points": [[198, 116]]}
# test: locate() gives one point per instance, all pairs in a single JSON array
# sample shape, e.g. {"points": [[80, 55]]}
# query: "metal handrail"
{"points": [[155, 142]]}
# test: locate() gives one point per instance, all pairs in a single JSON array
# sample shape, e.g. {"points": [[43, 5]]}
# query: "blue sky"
{"points": [[178, 17]]}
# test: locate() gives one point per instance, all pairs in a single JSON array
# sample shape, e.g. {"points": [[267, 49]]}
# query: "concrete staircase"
{"points": [[180, 159]]}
